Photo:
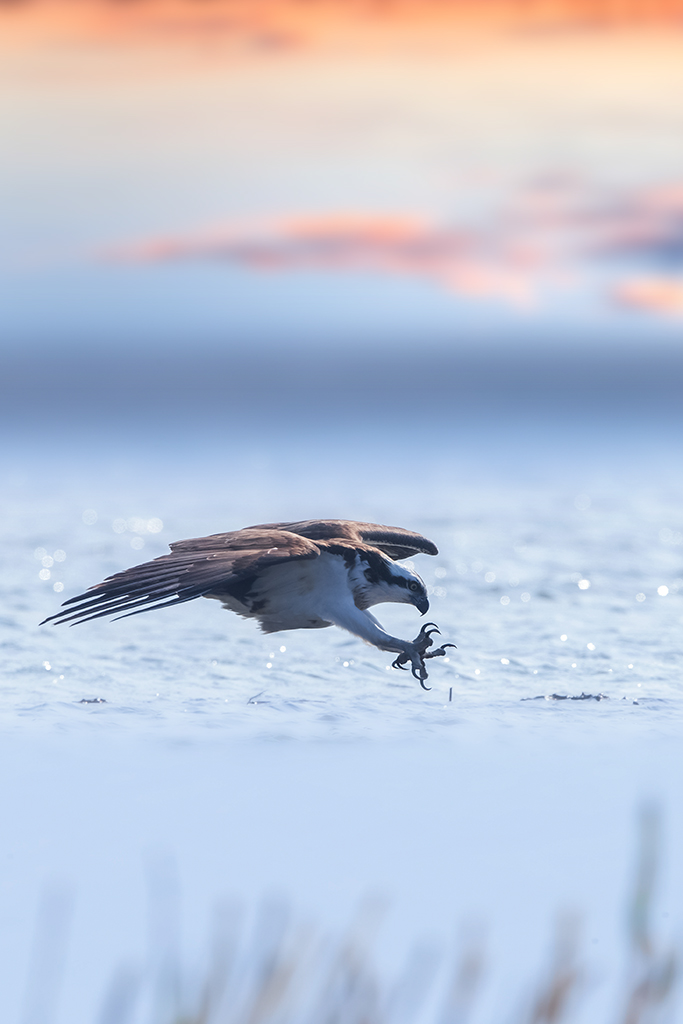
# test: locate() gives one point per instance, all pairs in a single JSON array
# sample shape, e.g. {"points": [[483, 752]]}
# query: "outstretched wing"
{"points": [[392, 540], [194, 568]]}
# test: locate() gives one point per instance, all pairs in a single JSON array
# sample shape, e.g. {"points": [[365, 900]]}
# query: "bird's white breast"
{"points": [[301, 594]]}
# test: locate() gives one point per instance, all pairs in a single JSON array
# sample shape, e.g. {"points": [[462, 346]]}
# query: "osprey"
{"points": [[308, 575]]}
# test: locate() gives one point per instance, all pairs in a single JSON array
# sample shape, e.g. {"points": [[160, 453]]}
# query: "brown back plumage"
{"points": [[392, 540], [228, 562]]}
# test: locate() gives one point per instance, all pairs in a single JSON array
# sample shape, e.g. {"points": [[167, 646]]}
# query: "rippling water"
{"points": [[545, 589], [299, 760]]}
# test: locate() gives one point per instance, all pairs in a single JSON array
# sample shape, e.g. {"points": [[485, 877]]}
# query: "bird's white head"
{"points": [[378, 580]]}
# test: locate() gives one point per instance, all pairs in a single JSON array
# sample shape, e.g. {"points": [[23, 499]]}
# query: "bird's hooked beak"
{"points": [[422, 604]]}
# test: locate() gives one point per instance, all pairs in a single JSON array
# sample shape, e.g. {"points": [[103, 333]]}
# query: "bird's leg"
{"points": [[416, 652], [366, 626]]}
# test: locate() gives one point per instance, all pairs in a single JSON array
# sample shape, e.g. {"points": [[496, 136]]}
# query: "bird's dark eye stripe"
{"points": [[401, 581], [378, 572]]}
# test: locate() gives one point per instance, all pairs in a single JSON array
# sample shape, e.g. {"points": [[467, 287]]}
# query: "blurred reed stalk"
{"points": [[285, 972], [653, 967]]}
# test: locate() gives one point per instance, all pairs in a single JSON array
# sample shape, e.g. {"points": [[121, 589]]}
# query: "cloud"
{"points": [[468, 262], [268, 26], [278, 24], [651, 295], [646, 224], [555, 231]]}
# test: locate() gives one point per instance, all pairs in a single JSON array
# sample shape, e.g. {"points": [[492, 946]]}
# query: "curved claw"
{"points": [[397, 664], [440, 652], [424, 638], [421, 678]]}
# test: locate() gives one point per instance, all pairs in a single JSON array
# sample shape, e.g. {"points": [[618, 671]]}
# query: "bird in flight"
{"points": [[307, 575]]}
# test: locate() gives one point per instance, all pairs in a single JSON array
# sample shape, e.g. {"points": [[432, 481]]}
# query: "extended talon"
{"points": [[424, 632], [440, 652], [420, 677], [423, 640]]}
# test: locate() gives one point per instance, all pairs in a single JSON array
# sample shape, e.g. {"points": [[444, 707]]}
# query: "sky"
{"points": [[323, 176]]}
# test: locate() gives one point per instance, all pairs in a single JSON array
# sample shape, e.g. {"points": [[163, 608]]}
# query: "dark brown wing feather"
{"points": [[392, 540], [194, 568]]}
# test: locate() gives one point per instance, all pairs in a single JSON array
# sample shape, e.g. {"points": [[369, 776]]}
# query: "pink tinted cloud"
{"points": [[651, 295], [647, 222], [468, 262], [550, 232]]}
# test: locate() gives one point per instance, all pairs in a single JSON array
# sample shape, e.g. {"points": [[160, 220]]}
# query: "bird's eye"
{"points": [[413, 586]]}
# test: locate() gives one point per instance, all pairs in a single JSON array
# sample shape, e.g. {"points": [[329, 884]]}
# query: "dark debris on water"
{"points": [[567, 696]]}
